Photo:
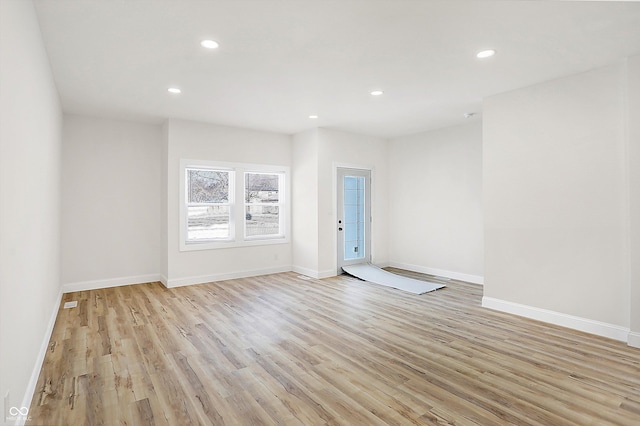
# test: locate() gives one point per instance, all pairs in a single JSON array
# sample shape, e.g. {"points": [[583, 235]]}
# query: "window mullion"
{"points": [[238, 208]]}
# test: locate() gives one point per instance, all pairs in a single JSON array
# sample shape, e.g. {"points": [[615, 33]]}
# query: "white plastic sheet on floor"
{"points": [[368, 272]]}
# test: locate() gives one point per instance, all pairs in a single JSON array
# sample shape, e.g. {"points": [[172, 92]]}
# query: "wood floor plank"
{"points": [[288, 350]]}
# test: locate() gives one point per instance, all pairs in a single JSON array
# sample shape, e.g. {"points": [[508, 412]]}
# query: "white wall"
{"points": [[164, 209], [633, 74], [316, 155], [191, 140], [435, 202], [30, 134], [304, 190], [111, 199], [336, 148], [555, 202]]}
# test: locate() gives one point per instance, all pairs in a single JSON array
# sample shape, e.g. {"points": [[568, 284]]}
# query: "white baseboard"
{"points": [[33, 380], [313, 273], [327, 274], [110, 282], [305, 271], [202, 279], [598, 328], [164, 280], [634, 339], [476, 279]]}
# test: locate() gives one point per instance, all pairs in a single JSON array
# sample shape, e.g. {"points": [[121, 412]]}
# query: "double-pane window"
{"points": [[230, 205], [262, 197], [209, 200]]}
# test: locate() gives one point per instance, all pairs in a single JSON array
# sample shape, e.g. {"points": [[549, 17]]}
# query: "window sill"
{"points": [[215, 245]]}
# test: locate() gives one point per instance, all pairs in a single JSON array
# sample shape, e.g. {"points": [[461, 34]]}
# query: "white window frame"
{"points": [[236, 205]]}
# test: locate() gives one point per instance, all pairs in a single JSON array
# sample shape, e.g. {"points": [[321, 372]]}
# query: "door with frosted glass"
{"points": [[354, 217]]}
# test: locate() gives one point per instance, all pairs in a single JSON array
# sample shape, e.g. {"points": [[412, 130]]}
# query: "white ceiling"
{"points": [[281, 60]]}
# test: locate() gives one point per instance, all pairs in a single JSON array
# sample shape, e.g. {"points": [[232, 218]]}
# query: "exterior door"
{"points": [[353, 217]]}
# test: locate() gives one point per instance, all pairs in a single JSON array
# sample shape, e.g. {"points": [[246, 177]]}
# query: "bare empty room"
{"points": [[319, 212]]}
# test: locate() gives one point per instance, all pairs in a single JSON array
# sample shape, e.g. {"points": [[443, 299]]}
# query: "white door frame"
{"points": [[340, 172]]}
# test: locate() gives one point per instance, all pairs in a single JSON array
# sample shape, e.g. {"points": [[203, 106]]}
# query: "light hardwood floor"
{"points": [[279, 349]]}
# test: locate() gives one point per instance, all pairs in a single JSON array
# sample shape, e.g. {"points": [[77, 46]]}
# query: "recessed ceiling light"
{"points": [[174, 90], [209, 44], [377, 92], [486, 53], [313, 116]]}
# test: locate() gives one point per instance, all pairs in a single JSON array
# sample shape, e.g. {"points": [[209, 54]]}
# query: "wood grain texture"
{"points": [[282, 350]]}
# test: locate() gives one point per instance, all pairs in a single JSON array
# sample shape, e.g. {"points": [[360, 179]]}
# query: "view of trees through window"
{"points": [[208, 186], [208, 208], [262, 198]]}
